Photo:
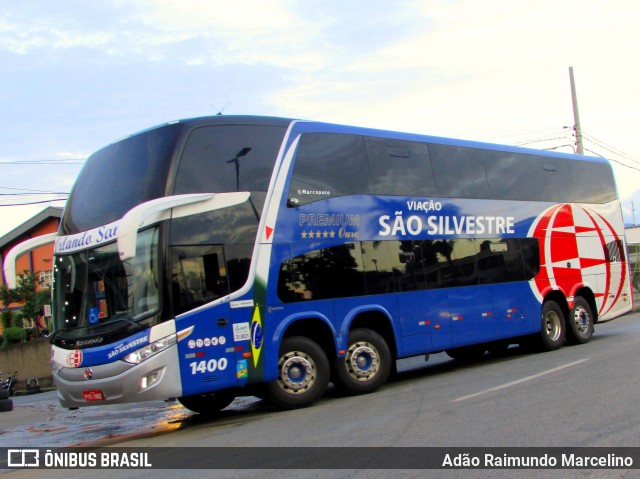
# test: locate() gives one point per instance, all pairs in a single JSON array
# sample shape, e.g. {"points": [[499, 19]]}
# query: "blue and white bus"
{"points": [[224, 256]]}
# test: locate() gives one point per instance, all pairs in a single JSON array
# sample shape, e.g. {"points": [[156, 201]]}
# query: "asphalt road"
{"points": [[583, 395]]}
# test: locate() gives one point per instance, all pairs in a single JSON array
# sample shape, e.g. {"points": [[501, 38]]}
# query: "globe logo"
{"points": [[579, 247]]}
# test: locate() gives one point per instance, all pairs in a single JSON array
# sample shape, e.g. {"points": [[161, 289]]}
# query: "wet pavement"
{"points": [[39, 421]]}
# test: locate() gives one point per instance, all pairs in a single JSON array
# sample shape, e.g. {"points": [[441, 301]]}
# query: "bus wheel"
{"points": [[207, 404], [366, 365], [303, 373], [552, 334], [580, 322]]}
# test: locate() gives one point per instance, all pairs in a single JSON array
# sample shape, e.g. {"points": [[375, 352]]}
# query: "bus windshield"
{"points": [[98, 295], [137, 165], [98, 298]]}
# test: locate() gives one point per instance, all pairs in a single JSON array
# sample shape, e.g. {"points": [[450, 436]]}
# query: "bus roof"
{"points": [[365, 131]]}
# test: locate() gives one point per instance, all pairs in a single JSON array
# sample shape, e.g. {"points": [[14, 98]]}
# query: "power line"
{"points": [[599, 143], [35, 191], [537, 131], [42, 162], [540, 140], [613, 160], [53, 200], [32, 194], [610, 149]]}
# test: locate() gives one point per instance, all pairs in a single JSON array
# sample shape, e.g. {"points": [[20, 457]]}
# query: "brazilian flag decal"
{"points": [[257, 336], [256, 369]]}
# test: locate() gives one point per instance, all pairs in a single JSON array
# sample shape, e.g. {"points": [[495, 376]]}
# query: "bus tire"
{"points": [[366, 365], [553, 330], [6, 405], [303, 373], [580, 323], [207, 404]]}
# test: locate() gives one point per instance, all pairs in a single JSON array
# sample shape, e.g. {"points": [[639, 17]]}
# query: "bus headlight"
{"points": [[149, 350]]}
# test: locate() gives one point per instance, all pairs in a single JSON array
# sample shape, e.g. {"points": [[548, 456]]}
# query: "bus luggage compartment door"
{"points": [[207, 356]]}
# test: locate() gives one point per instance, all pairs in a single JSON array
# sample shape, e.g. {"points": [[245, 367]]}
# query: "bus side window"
{"points": [[400, 168], [199, 275], [598, 176], [224, 158], [328, 165], [614, 251], [530, 257], [509, 176], [379, 265], [335, 272], [410, 272], [459, 171]]}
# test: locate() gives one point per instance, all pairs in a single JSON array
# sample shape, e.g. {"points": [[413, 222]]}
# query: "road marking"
{"points": [[519, 381]]}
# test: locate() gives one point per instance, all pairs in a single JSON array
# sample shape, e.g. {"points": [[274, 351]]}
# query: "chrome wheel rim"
{"points": [[581, 320], [362, 361], [553, 325], [297, 372]]}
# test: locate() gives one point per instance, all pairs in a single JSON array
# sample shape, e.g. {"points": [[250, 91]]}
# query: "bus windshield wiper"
{"points": [[58, 331], [123, 317]]}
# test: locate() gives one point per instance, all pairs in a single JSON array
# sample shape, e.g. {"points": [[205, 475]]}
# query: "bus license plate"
{"points": [[93, 395]]}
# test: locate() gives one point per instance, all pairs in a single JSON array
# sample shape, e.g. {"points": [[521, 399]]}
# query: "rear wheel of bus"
{"points": [[366, 365], [580, 322], [207, 404], [552, 334], [303, 373]]}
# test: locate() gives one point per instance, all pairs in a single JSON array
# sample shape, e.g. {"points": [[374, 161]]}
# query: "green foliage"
{"points": [[15, 335], [32, 306], [7, 296], [17, 320], [33, 301], [7, 319]]}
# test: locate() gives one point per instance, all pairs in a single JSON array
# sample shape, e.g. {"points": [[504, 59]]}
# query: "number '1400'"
{"points": [[208, 366]]}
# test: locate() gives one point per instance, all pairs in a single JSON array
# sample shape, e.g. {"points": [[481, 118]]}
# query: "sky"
{"points": [[79, 75]]}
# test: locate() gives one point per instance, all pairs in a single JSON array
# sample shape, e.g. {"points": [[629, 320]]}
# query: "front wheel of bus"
{"points": [[580, 323], [552, 334], [366, 365], [207, 404], [303, 373]]}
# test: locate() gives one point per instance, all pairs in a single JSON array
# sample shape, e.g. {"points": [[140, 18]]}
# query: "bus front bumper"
{"points": [[156, 378]]}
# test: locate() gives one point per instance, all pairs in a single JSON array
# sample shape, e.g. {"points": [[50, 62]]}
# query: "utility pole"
{"points": [[576, 115]]}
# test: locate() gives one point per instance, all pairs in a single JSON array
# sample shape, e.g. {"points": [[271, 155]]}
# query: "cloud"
{"points": [[80, 74], [242, 32]]}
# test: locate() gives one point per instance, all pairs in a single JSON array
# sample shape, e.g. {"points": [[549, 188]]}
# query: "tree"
{"points": [[7, 296], [9, 333], [32, 300]]}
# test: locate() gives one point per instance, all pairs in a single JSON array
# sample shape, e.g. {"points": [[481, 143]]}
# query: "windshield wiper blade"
{"points": [[124, 317], [56, 332], [93, 331]]}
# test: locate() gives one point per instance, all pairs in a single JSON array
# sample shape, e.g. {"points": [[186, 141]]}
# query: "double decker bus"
{"points": [[222, 256]]}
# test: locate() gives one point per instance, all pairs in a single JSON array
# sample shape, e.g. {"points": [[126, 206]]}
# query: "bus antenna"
{"points": [[220, 111]]}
